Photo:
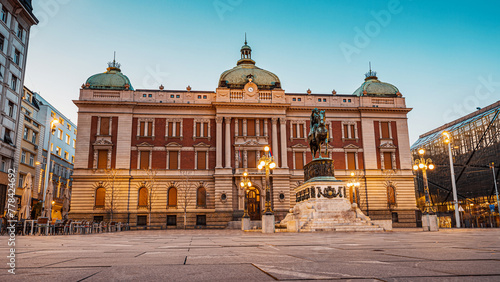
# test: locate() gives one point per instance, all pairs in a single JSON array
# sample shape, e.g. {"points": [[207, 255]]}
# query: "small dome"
{"points": [[374, 87], [245, 69], [111, 79]]}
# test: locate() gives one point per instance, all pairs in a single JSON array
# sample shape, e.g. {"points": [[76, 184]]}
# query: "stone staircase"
{"points": [[321, 224]]}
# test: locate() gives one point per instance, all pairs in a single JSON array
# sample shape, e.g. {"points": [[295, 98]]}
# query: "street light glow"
{"points": [[249, 184], [259, 167], [266, 148], [262, 163], [421, 165], [272, 165], [431, 166], [415, 167], [421, 151], [245, 173]]}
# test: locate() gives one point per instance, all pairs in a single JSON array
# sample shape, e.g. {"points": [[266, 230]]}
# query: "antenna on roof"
{"points": [[370, 64], [114, 56], [245, 38]]}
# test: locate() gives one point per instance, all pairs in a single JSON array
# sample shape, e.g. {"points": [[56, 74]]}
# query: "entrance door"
{"points": [[253, 203]]}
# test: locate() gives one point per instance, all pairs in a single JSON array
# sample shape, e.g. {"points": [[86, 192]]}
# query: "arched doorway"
{"points": [[253, 207]]}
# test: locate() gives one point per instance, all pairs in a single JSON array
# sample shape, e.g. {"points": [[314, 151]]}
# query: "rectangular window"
{"points": [[21, 180], [351, 161], [26, 133], [172, 159], [74, 143], [171, 220], [104, 126], [385, 129], [201, 160], [17, 56], [205, 129], [387, 160], [66, 155], [170, 132], [301, 130], [23, 157], [33, 137], [60, 134], [32, 160], [68, 139], [142, 128], [61, 121], [58, 151], [294, 131], [2, 41], [261, 125], [240, 127], [69, 126], [4, 14], [174, 129], [299, 160], [11, 109], [142, 220], [201, 220], [13, 83], [250, 127], [73, 159], [102, 159], [198, 129], [346, 131], [52, 114], [20, 31], [144, 160], [251, 159], [150, 129], [352, 131]]}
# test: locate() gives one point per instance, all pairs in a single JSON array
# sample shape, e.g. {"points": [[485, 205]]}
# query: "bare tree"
{"points": [[112, 191], [186, 190], [152, 189]]}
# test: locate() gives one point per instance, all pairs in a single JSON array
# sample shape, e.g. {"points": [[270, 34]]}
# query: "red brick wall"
{"points": [[159, 160], [114, 139], [93, 132], [187, 159], [394, 132]]}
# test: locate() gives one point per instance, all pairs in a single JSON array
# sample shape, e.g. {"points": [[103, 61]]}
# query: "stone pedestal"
{"points": [[430, 222], [245, 223], [268, 223]]}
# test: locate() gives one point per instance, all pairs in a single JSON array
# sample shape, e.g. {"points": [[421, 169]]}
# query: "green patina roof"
{"points": [[374, 87], [113, 78]]}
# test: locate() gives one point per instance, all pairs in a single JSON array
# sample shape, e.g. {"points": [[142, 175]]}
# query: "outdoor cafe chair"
{"points": [[42, 222]]}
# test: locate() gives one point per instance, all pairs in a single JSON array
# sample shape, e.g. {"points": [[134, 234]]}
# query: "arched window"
{"points": [[172, 197], [391, 195], [201, 197], [143, 197], [100, 197]]}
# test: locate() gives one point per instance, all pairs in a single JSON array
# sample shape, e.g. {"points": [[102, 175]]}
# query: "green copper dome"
{"points": [[111, 79], [245, 70], [374, 87]]}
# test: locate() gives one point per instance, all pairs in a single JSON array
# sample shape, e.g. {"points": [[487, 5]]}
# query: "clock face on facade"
{"points": [[250, 89]]}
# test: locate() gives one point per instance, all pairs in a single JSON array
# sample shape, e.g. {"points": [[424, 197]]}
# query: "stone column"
{"points": [[228, 142], [284, 157], [274, 122], [218, 158]]}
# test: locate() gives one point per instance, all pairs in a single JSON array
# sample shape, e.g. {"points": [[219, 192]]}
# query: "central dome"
{"points": [[245, 69], [374, 87], [113, 78]]}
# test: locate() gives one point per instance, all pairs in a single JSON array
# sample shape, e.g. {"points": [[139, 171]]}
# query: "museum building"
{"points": [[155, 157]]}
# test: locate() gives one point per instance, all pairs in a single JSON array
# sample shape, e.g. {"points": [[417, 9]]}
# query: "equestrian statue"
{"points": [[318, 135]]}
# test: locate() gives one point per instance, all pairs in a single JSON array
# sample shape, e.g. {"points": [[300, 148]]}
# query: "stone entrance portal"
{"points": [[253, 203]]}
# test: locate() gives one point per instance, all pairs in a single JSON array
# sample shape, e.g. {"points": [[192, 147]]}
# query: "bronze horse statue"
{"points": [[318, 135]]}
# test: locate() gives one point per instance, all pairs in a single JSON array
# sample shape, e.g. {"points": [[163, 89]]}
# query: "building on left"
{"points": [[16, 19]]}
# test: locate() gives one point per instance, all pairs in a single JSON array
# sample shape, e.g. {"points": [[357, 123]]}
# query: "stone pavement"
{"points": [[233, 255]]}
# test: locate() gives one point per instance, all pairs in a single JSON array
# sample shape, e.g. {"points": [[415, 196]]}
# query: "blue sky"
{"points": [[442, 55]]}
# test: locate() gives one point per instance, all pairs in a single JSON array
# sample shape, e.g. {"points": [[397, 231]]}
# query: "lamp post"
{"points": [[423, 165], [354, 185], [245, 184], [496, 188], [53, 125], [267, 162], [447, 140]]}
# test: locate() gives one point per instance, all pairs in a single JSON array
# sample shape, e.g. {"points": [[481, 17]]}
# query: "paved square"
{"points": [[230, 255]]}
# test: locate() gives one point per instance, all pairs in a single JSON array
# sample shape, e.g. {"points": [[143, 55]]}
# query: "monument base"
{"points": [[323, 205], [430, 222], [268, 223]]}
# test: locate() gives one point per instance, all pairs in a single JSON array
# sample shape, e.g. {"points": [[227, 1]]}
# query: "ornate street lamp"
{"points": [[424, 164], [447, 140], [267, 162], [245, 184], [53, 126], [353, 186]]}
